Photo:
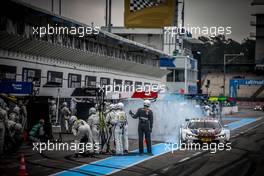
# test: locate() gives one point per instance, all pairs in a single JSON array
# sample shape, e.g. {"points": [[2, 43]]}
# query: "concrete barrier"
{"points": [[229, 110]]}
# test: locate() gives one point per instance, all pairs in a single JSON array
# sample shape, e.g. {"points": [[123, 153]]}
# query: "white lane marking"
{"points": [[234, 136], [196, 153], [165, 169], [184, 159], [251, 128], [153, 174]]}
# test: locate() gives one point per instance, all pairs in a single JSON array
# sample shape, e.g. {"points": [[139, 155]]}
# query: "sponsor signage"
{"points": [[145, 95], [16, 87]]}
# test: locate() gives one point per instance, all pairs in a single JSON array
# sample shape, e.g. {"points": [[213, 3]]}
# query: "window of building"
{"points": [[175, 76], [118, 82], [90, 81], [74, 80], [170, 75], [138, 85], [147, 87], [104, 82], [55, 78], [179, 76], [30, 75], [129, 86], [7, 73]]}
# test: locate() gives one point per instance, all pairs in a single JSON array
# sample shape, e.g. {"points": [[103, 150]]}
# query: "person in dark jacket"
{"points": [[145, 124]]}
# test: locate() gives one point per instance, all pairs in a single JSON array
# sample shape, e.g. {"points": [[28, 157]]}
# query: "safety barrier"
{"points": [[229, 110]]}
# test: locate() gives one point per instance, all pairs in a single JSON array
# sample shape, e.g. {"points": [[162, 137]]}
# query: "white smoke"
{"points": [[168, 117]]}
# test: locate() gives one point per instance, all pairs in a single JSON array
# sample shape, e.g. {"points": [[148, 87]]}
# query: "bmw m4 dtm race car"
{"points": [[204, 130], [259, 108]]}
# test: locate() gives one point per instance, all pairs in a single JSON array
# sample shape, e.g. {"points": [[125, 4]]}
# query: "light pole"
{"points": [[225, 62]]}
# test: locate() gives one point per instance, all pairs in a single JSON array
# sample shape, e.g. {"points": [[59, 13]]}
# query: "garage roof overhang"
{"points": [[45, 49]]}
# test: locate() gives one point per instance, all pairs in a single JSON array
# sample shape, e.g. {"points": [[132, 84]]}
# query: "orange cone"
{"points": [[22, 169]]}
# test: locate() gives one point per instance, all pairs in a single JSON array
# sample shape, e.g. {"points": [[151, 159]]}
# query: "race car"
{"points": [[204, 130], [259, 108]]}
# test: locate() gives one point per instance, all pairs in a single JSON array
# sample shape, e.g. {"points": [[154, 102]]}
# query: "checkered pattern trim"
{"points": [[136, 5]]}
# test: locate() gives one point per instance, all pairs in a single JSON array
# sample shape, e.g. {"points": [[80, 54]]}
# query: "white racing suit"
{"points": [[53, 111], [14, 117], [24, 117], [14, 135], [14, 128], [94, 123], [73, 106], [121, 132], [207, 110], [81, 129], [110, 122], [65, 112]]}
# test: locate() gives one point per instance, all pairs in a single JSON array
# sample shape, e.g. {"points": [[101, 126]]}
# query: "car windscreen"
{"points": [[203, 124]]}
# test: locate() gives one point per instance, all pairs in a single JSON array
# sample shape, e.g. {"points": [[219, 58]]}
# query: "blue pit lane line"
{"points": [[116, 163], [239, 122]]}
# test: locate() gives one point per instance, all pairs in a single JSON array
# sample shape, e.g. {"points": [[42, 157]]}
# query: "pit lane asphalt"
{"points": [[48, 162], [246, 158], [177, 163]]}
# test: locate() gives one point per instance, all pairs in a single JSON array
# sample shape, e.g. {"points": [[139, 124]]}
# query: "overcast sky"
{"points": [[234, 13]]}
